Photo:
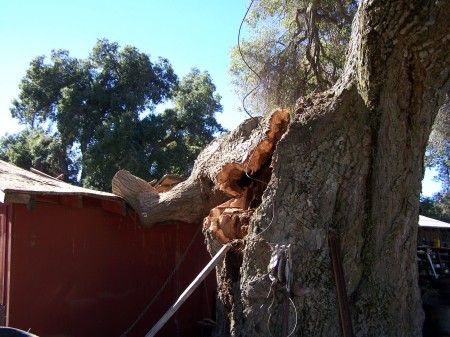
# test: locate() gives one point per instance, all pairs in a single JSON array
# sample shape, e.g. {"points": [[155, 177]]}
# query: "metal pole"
{"points": [[183, 297], [338, 271]]}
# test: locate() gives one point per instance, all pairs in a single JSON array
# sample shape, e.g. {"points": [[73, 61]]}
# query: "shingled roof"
{"points": [[18, 185]]}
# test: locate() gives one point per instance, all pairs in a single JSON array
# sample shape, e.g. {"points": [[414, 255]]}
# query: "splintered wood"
{"points": [[235, 165], [227, 222], [246, 182], [255, 155]]}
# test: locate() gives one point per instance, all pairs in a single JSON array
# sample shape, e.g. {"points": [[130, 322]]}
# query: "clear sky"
{"points": [[196, 33], [190, 34]]}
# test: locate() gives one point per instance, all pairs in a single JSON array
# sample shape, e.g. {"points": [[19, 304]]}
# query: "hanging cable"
{"points": [[296, 318], [272, 245], [168, 279], [249, 114], [246, 63]]}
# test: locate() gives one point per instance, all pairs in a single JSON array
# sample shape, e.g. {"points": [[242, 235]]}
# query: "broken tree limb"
{"points": [[187, 202], [216, 176]]}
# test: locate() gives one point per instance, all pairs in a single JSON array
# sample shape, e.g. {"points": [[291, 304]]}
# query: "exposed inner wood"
{"points": [[245, 181], [230, 220], [227, 179], [224, 174]]}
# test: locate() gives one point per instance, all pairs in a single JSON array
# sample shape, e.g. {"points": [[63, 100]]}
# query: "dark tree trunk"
{"points": [[351, 164]]}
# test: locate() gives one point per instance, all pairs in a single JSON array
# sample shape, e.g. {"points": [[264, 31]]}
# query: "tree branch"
{"points": [[215, 177]]}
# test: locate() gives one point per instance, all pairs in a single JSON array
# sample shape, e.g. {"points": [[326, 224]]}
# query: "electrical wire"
{"points": [[272, 245], [168, 279], [246, 63], [250, 115], [270, 314], [296, 318]]}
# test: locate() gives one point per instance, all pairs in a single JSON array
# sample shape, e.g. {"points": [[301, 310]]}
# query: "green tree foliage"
{"points": [[294, 46], [438, 157], [190, 124], [436, 207], [438, 151], [104, 107], [37, 148]]}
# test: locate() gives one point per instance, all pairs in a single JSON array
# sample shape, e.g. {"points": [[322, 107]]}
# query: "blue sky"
{"points": [[190, 34]]}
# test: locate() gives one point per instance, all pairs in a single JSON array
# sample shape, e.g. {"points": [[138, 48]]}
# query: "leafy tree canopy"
{"points": [[293, 48], [438, 151], [100, 113], [436, 207], [438, 157], [38, 148]]}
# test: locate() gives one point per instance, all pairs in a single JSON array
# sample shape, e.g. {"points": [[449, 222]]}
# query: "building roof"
{"points": [[167, 182], [17, 185], [429, 222]]}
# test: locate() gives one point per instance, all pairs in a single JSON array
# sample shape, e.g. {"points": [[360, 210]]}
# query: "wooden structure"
{"points": [[76, 262], [431, 230], [433, 259], [433, 250]]}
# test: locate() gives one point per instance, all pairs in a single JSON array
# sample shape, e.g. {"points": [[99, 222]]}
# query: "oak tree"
{"points": [[290, 49], [345, 167], [102, 110]]}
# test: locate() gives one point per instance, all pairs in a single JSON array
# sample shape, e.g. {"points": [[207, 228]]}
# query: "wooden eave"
{"points": [[426, 222], [167, 182]]}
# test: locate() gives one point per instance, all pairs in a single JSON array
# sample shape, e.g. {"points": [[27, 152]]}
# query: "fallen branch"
{"points": [[217, 175]]}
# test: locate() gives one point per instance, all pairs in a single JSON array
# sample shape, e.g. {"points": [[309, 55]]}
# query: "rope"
{"points": [[169, 278]]}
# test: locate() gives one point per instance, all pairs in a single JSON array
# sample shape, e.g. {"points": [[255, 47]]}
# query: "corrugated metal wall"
{"points": [[88, 272]]}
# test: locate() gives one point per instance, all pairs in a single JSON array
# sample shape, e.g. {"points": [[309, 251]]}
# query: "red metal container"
{"points": [[81, 265]]}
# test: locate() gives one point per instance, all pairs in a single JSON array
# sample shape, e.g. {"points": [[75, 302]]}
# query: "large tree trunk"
{"points": [[351, 164]]}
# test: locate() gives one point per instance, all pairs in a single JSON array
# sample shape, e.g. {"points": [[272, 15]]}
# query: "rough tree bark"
{"points": [[351, 163]]}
